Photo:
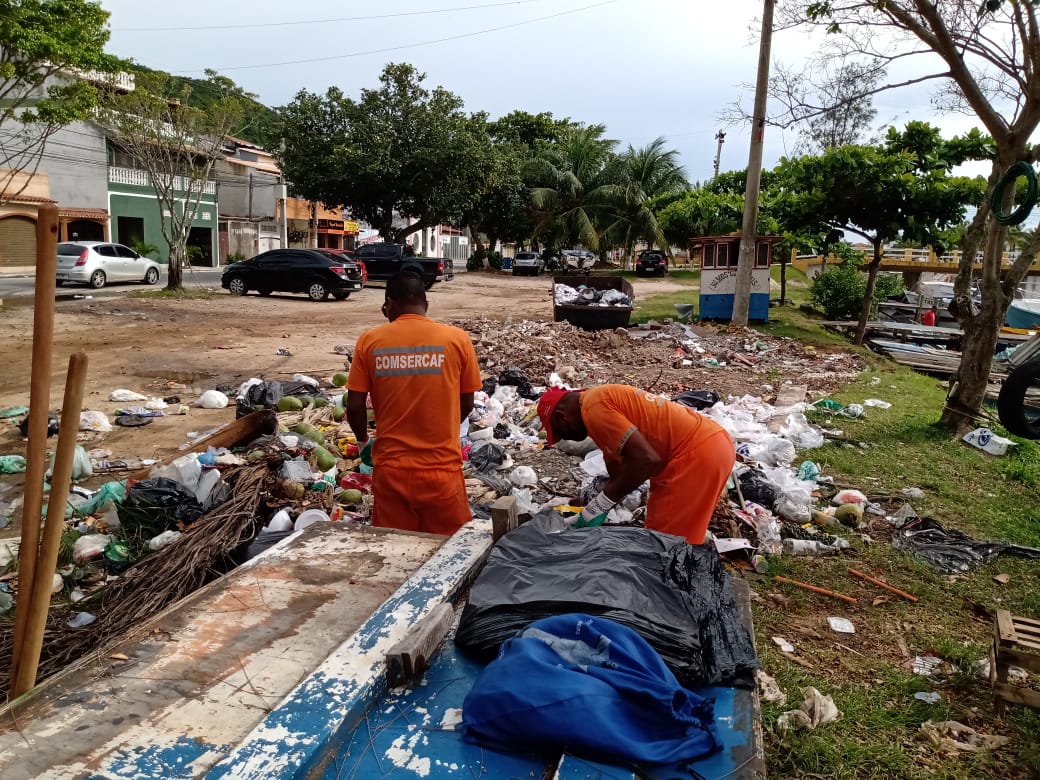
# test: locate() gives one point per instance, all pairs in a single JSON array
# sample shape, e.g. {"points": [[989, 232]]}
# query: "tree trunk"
{"points": [[868, 297], [175, 273]]}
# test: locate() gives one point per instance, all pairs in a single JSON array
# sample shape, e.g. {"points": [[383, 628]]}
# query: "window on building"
{"points": [[129, 230]]}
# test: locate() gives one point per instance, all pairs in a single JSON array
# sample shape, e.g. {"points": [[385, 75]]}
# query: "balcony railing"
{"points": [[138, 178]]}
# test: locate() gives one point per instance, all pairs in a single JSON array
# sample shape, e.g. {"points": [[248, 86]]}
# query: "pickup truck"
{"points": [[383, 260]]}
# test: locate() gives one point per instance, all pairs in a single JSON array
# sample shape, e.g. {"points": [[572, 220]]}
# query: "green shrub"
{"points": [[235, 257], [144, 249], [474, 263], [494, 260], [840, 289]]}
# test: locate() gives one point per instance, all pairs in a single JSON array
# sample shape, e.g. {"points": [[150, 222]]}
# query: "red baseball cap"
{"points": [[546, 406]]}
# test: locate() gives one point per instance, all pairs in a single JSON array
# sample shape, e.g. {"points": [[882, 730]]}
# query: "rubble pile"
{"points": [[667, 357]]}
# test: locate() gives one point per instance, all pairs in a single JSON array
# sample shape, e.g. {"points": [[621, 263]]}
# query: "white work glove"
{"points": [[596, 510]]}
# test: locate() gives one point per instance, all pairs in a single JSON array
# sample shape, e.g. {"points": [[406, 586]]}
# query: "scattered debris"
{"points": [[928, 697], [816, 710], [949, 735], [769, 689], [841, 625]]}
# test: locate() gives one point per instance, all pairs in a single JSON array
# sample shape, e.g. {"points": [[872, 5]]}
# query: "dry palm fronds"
{"points": [[156, 581]]}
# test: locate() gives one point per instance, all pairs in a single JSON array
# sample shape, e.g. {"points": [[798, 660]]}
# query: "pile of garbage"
{"points": [[565, 295], [668, 357]]}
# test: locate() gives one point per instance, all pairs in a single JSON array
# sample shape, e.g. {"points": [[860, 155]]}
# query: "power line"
{"points": [[409, 45], [323, 21]]}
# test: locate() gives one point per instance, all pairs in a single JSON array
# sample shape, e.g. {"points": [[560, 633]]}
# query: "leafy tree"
{"points": [[840, 289], [646, 173], [700, 212], [982, 59], [177, 145], [47, 49], [399, 150], [901, 190]]}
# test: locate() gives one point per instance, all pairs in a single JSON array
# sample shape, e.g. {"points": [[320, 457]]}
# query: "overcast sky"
{"points": [[643, 68]]}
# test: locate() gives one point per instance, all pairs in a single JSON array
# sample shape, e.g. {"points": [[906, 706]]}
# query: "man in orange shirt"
{"points": [[686, 456], [422, 376]]}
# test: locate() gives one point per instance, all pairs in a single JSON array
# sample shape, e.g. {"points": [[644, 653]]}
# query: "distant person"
{"points": [[687, 456], [421, 376], [929, 317]]}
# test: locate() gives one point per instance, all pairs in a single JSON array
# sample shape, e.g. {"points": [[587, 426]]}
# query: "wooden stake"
{"points": [[503, 516], [882, 584], [39, 408], [24, 677], [814, 589]]}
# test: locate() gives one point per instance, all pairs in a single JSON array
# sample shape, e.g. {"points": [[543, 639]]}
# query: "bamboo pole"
{"points": [[32, 643], [882, 584], [39, 407], [814, 589]]}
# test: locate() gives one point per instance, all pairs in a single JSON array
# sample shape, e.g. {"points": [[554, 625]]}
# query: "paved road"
{"points": [[23, 286]]}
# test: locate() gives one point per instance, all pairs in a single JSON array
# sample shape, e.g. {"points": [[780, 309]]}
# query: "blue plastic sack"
{"points": [[592, 687]]}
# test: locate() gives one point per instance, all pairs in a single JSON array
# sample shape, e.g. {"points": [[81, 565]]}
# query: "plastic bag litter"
{"points": [[487, 456], [877, 403], [769, 688], [523, 476], [848, 497], [517, 378], [185, 470], [94, 421], [697, 399], [82, 468], [757, 487], [89, 547], [594, 464], [772, 451], [12, 464], [614, 298], [987, 441], [125, 396], [164, 539], [525, 502], [306, 380], [110, 491], [816, 710], [949, 550], [212, 399], [564, 294], [52, 425], [13, 411], [802, 435], [80, 620], [156, 505], [677, 596]]}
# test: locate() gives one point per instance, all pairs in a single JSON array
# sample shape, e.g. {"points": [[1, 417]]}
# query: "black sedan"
{"points": [[316, 272], [651, 261]]}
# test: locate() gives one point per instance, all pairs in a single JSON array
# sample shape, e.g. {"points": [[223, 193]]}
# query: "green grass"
{"points": [[183, 294], [987, 497]]}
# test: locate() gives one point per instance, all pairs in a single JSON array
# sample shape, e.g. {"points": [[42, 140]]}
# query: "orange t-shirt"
{"points": [[612, 412], [415, 369]]}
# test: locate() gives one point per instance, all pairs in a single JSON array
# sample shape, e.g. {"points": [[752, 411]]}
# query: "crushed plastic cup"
{"points": [[309, 517]]}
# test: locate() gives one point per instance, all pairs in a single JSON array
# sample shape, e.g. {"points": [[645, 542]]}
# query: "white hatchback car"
{"points": [[527, 263], [96, 263]]}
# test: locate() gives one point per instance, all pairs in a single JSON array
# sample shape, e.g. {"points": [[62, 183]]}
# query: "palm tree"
{"points": [[577, 186]]}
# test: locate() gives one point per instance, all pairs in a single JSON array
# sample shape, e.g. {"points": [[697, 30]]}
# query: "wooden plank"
{"points": [[1013, 694], [1010, 657], [1022, 621], [1005, 628], [409, 658], [1028, 633], [298, 735], [503, 516]]}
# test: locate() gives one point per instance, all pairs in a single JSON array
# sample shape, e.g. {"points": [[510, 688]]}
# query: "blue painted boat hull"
{"points": [[1024, 313]]}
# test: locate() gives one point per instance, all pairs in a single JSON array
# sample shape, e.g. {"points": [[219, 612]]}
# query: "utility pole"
{"points": [[283, 228], [749, 227], [721, 138]]}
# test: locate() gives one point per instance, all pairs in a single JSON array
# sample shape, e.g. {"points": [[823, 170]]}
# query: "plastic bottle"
{"points": [[808, 547]]}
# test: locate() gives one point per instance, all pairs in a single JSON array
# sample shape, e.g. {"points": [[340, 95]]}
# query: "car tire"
{"points": [[1018, 416], [341, 296], [97, 279], [152, 276], [317, 291], [264, 292], [237, 286]]}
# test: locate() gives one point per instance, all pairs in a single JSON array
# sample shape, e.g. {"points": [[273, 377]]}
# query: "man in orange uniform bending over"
{"points": [[686, 456], [422, 376]]}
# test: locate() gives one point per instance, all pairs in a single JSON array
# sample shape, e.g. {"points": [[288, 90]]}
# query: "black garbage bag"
{"points": [[156, 505], [518, 379], [489, 385], [950, 550], [267, 394], [487, 457], [756, 486], [698, 399], [52, 425], [677, 596]]}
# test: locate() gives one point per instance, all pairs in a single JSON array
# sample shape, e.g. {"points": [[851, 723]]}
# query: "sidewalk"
{"points": [[18, 270]]}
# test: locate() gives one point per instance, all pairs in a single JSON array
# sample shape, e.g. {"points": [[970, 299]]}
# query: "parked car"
{"points": [[316, 272], [651, 261], [527, 263], [384, 260], [97, 263]]}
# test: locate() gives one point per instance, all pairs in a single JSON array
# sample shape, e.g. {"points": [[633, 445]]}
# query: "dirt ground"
{"points": [[163, 348]]}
